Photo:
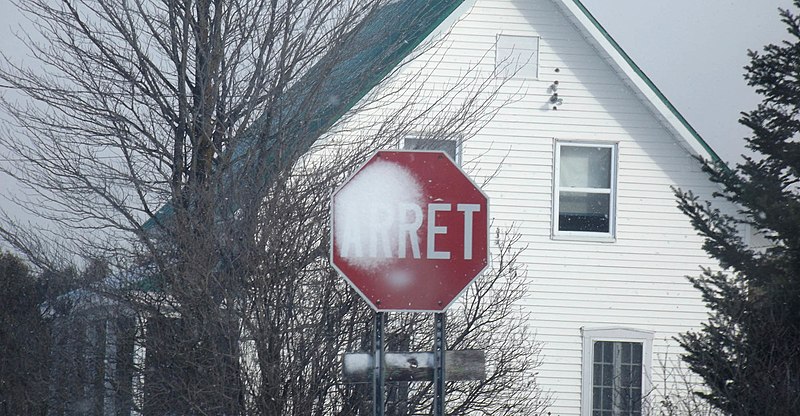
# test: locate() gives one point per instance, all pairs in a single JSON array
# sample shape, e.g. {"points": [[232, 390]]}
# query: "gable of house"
{"points": [[574, 97]]}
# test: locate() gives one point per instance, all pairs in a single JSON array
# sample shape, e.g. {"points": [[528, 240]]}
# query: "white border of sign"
{"points": [[488, 233]]}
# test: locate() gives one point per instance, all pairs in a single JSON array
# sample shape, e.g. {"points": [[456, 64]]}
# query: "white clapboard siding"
{"points": [[636, 281]]}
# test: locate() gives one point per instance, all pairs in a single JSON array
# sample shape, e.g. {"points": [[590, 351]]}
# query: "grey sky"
{"points": [[695, 51]]}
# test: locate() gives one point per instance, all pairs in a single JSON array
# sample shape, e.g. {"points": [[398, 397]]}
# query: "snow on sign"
{"points": [[409, 231]]}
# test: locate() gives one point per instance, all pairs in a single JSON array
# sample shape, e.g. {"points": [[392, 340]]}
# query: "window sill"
{"points": [[585, 237]]}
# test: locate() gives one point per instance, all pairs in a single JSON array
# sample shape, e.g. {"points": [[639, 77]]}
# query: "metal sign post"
{"points": [[409, 233], [439, 348], [378, 363]]}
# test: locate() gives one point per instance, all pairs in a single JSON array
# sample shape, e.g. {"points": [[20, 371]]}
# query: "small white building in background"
{"points": [[583, 155]]}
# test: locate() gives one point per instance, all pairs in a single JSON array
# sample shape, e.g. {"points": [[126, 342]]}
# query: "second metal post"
{"points": [[378, 370], [439, 348]]}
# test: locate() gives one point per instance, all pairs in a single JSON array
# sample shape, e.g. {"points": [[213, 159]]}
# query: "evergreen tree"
{"points": [[748, 353], [23, 340]]}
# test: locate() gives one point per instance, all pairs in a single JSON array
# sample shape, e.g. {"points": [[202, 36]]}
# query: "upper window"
{"points": [[517, 56], [616, 371], [450, 146], [585, 184]]}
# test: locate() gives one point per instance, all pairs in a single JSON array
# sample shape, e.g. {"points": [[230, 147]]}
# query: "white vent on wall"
{"points": [[517, 56]]}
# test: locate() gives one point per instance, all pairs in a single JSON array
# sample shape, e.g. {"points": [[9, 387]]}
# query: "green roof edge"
{"points": [[369, 85], [714, 156], [373, 82]]}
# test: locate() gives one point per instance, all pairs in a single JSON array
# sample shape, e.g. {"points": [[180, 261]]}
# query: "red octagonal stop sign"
{"points": [[409, 231]]}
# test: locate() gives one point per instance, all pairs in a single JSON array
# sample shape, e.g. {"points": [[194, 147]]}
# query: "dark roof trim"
{"points": [[351, 71], [402, 54]]}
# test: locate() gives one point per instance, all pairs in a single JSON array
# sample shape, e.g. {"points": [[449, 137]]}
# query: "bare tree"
{"points": [[188, 143], [676, 393]]}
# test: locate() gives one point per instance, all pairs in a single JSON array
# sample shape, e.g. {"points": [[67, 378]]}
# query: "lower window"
{"points": [[616, 368], [617, 380]]}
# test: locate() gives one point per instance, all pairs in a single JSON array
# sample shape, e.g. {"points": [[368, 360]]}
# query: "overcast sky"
{"points": [[694, 51]]}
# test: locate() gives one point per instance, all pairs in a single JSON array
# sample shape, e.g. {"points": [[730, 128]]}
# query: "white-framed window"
{"points": [[450, 146], [584, 200], [616, 371], [517, 56]]}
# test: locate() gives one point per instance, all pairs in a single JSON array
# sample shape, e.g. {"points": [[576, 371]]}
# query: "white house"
{"points": [[581, 156], [585, 152]]}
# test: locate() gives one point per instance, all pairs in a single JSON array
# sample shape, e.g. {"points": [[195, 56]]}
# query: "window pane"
{"points": [[636, 375], [606, 400], [624, 400], [625, 375], [448, 146], [585, 167], [608, 375], [598, 374], [608, 352], [581, 211], [596, 398], [636, 406]]}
